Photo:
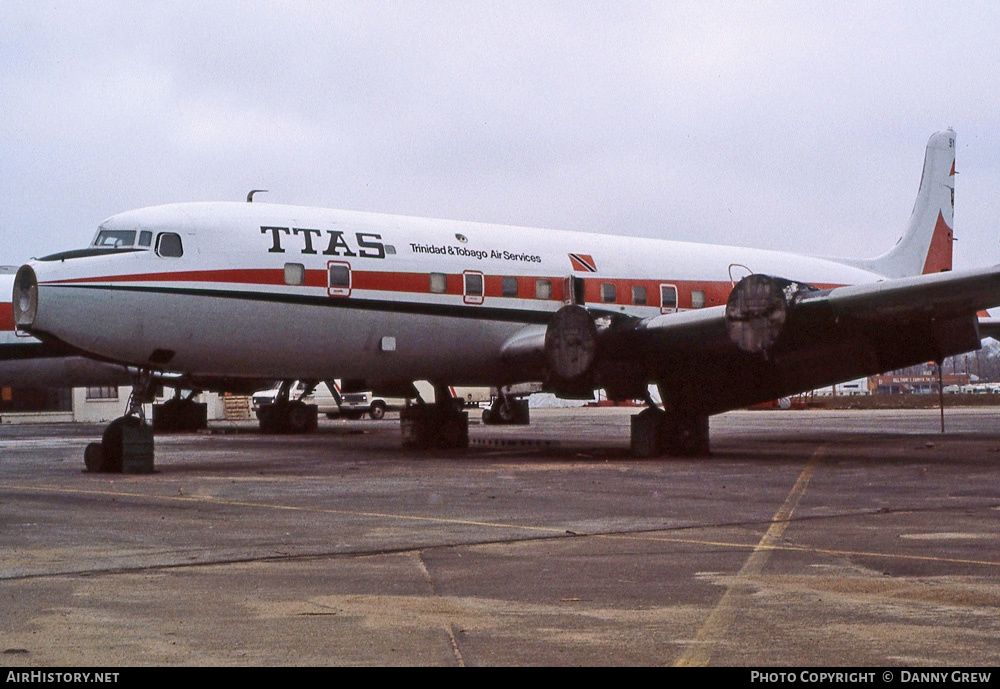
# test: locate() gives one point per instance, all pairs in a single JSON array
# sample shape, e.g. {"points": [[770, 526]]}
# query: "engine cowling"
{"points": [[571, 343], [25, 297], [757, 310]]}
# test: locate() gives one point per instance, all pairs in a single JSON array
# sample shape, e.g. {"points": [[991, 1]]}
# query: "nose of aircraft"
{"points": [[25, 297]]}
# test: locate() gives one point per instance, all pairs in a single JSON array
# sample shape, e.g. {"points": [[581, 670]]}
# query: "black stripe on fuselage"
{"points": [[475, 312], [38, 350], [88, 252]]}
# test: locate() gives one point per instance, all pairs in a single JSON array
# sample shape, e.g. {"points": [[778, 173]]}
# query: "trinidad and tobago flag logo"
{"points": [[583, 263]]}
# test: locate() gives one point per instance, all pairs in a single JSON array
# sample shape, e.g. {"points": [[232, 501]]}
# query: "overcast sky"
{"points": [[797, 126]]}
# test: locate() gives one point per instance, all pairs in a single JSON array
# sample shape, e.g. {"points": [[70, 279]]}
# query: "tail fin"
{"points": [[926, 246]]}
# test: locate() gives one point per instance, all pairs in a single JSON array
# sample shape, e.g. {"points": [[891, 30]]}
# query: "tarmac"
{"points": [[807, 538]]}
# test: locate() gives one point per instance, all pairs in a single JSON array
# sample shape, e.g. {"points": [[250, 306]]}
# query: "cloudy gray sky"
{"points": [[797, 125]]}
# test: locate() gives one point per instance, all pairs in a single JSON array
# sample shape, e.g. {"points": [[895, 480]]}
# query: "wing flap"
{"points": [[936, 295]]}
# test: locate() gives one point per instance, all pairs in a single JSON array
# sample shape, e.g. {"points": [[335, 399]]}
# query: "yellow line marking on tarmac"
{"points": [[798, 549], [450, 628], [764, 544], [289, 508], [699, 653]]}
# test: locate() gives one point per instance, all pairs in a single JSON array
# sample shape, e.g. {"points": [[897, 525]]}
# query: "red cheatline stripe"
{"points": [[418, 283], [414, 283], [6, 316], [257, 276], [374, 280]]}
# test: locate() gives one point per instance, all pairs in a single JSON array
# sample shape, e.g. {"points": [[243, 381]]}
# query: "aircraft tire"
{"points": [[111, 443], [271, 419], [506, 413], [688, 437], [93, 457], [298, 418], [513, 412], [451, 432], [180, 415]]}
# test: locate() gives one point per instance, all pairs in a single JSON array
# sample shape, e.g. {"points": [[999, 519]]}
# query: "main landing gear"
{"points": [[127, 442], [288, 416], [507, 410], [180, 414], [440, 426], [656, 432]]}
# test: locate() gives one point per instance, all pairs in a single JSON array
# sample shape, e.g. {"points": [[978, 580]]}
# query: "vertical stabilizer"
{"points": [[926, 245]]}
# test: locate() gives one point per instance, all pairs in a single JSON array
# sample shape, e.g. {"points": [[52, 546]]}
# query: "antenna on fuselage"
{"points": [[254, 191]]}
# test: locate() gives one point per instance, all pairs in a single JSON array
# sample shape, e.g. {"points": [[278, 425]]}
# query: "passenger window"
{"points": [[474, 284], [639, 295], [439, 283], [295, 274], [697, 299], [608, 293], [473, 288], [543, 289], [668, 298], [339, 277], [508, 286], [168, 245]]}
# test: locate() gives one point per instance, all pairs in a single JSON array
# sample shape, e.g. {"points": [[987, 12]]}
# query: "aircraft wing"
{"points": [[774, 338], [989, 327]]}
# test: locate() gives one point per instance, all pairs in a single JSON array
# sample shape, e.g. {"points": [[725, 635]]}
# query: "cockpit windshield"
{"points": [[115, 239], [120, 239], [109, 242]]}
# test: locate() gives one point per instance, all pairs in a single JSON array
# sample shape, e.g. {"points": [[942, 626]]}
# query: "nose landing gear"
{"points": [[127, 442], [507, 410]]}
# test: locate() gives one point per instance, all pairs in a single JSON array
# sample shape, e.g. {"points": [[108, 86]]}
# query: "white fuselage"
{"points": [[289, 292]]}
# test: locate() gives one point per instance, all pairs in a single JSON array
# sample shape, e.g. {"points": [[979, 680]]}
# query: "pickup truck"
{"points": [[332, 403], [353, 405]]}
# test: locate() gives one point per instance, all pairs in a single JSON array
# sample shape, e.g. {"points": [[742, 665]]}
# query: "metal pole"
{"points": [[941, 395]]}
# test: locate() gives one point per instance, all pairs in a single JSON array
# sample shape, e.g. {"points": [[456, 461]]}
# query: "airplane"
{"points": [[251, 290]]}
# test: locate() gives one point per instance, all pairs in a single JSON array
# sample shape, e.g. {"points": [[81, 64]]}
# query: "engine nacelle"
{"points": [[758, 308], [25, 297], [571, 343]]}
